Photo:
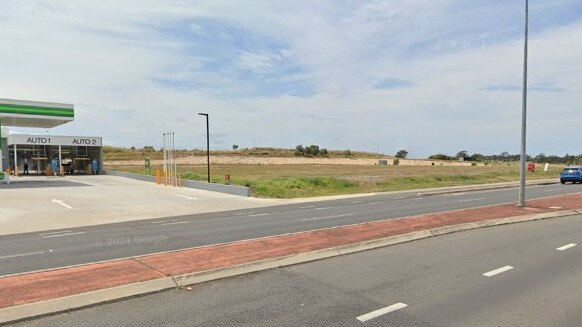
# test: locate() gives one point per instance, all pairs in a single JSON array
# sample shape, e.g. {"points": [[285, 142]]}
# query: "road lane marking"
{"points": [[244, 213], [23, 255], [159, 222], [497, 271], [61, 235], [379, 202], [62, 203], [307, 207], [566, 247], [185, 197], [381, 312], [259, 215], [555, 208], [51, 233], [175, 223], [472, 200], [323, 208], [399, 198], [329, 217], [356, 202]]}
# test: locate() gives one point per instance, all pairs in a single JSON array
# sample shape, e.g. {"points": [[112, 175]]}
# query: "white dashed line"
{"points": [[52, 233], [159, 222], [566, 247], [323, 208], [497, 271], [61, 235], [399, 198], [329, 217], [555, 208], [373, 203], [23, 255], [243, 213], [472, 200], [307, 207], [356, 202], [175, 223], [381, 312], [259, 215]]}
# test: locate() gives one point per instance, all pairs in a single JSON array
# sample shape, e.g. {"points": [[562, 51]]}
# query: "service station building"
{"points": [[40, 153]]}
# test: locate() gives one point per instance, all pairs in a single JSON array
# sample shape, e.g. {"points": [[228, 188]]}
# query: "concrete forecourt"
{"points": [[79, 286]]}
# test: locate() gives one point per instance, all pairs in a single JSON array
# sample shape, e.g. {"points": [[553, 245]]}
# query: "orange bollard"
{"points": [[158, 177], [180, 180]]}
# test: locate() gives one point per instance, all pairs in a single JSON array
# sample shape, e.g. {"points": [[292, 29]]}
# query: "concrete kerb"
{"points": [[80, 301], [83, 300], [484, 187]]}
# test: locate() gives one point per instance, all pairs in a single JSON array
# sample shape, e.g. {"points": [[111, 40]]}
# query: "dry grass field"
{"points": [[291, 181]]}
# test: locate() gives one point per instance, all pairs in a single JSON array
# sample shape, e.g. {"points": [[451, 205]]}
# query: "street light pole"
{"points": [[207, 144], [523, 159]]}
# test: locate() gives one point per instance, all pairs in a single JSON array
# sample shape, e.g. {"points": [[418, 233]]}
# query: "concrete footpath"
{"points": [[34, 294]]}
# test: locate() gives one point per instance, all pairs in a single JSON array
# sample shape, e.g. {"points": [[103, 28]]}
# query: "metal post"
{"points": [[174, 158], [523, 159], [207, 145], [165, 158], [61, 161], [15, 161]]}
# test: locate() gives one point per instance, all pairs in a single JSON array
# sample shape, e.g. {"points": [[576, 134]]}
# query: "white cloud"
{"points": [[135, 69]]}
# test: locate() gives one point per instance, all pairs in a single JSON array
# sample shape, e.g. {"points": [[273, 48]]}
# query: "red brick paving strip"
{"points": [[35, 287]]}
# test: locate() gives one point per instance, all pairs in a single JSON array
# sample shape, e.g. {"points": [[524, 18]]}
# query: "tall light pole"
{"points": [[523, 159], [207, 144]]}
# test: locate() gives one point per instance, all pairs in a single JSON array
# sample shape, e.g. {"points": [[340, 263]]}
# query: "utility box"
{"points": [[382, 162]]}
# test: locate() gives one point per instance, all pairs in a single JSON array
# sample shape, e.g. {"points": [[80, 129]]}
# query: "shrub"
{"points": [[396, 162]]}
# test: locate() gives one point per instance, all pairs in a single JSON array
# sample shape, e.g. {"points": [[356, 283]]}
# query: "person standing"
{"points": [[25, 167], [95, 166]]}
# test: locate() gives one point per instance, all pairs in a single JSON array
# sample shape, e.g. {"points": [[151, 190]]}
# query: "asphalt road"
{"points": [[450, 280], [44, 250]]}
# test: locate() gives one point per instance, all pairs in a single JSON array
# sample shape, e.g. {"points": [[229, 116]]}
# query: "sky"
{"points": [[428, 76]]}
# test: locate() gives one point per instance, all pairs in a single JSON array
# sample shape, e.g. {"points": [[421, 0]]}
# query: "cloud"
{"points": [[427, 76]]}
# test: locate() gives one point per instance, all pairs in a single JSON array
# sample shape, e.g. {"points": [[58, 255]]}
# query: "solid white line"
{"points": [[259, 215], [323, 208], [329, 217], [21, 255], [51, 233], [175, 223], [60, 235], [472, 200], [356, 202], [497, 271], [185, 197], [62, 203], [566, 247], [381, 312], [307, 207]]}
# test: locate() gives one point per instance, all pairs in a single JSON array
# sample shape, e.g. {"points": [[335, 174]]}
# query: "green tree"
{"points": [[401, 154], [299, 150]]}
